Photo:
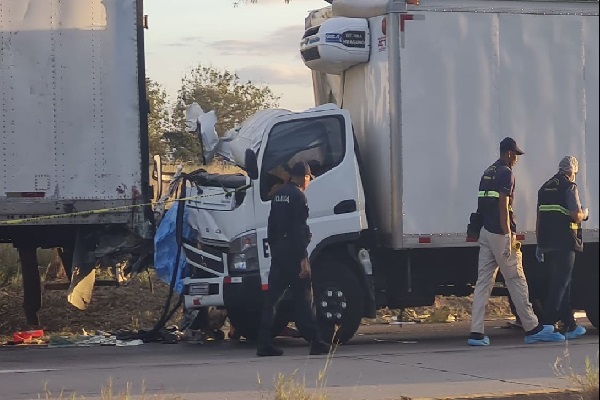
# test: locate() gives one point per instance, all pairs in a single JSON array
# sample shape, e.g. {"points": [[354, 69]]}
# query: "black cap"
{"points": [[509, 144], [301, 169]]}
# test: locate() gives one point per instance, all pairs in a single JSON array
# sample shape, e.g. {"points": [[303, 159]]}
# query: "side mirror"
{"points": [[251, 164]]}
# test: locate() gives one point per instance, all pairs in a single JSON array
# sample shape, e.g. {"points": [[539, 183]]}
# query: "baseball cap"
{"points": [[569, 164], [509, 143], [301, 169]]}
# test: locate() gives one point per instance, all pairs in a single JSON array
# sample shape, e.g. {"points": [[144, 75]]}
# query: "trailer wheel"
{"points": [[338, 300]]}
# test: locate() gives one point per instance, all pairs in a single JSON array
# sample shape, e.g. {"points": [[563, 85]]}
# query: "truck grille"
{"points": [[210, 257]]}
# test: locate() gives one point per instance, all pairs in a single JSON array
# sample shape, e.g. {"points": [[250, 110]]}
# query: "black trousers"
{"points": [[283, 275], [558, 301]]}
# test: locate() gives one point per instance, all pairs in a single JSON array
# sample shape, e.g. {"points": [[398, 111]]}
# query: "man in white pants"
{"points": [[497, 250]]}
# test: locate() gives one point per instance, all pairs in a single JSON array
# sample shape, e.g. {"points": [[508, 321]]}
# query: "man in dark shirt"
{"points": [[497, 249], [559, 236], [289, 235]]}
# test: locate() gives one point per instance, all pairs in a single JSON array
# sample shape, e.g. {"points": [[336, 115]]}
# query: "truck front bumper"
{"points": [[229, 291]]}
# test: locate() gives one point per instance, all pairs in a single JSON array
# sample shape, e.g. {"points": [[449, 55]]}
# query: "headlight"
{"points": [[243, 254]]}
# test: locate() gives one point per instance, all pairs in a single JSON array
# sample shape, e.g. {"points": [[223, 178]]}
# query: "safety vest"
{"points": [[556, 229], [489, 196]]}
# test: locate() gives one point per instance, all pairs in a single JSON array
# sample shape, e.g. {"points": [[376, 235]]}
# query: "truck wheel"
{"points": [[591, 309], [247, 322], [338, 300], [592, 315]]}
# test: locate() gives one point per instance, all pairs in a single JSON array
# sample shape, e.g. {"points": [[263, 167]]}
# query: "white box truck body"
{"points": [[426, 92], [430, 114]]}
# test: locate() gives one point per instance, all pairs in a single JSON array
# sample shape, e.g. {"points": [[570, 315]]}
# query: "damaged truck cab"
{"points": [[230, 260]]}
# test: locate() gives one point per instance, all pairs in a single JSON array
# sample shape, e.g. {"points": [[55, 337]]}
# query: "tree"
{"points": [[222, 91], [158, 117], [184, 146]]}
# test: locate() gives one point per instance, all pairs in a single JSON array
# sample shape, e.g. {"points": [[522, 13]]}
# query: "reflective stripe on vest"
{"points": [[491, 194], [553, 208], [557, 208]]}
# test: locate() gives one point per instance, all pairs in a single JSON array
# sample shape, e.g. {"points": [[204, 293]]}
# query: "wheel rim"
{"points": [[332, 305]]}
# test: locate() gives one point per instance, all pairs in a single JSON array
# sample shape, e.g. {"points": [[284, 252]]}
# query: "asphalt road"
{"points": [[381, 362]]}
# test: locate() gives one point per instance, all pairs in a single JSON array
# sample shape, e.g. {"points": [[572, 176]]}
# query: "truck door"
{"points": [[324, 140]]}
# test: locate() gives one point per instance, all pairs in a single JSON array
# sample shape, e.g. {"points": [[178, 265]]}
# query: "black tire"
{"points": [[591, 309], [339, 301], [592, 315], [584, 286], [247, 322]]}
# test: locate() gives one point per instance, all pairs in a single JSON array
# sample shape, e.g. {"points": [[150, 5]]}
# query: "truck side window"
{"points": [[318, 141]]}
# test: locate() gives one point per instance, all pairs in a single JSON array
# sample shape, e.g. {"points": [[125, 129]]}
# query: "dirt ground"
{"points": [[133, 307], [139, 305]]}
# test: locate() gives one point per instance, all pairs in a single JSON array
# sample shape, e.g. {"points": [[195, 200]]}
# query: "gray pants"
{"points": [[491, 246]]}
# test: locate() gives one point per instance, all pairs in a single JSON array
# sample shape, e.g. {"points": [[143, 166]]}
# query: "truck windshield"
{"points": [[318, 141]]}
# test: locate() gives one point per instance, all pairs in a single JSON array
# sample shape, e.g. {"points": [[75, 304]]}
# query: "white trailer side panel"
{"points": [[470, 79], [69, 109], [365, 96]]}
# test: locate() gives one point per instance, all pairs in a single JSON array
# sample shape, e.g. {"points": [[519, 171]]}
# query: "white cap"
{"points": [[569, 164]]}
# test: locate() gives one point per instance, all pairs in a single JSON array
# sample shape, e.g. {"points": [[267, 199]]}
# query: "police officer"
{"points": [[497, 250], [559, 237], [289, 236]]}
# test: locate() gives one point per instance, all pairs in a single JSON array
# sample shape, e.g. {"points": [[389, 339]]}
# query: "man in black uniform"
{"points": [[289, 236], [559, 237]]}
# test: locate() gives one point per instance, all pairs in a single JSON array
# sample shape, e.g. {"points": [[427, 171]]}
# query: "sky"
{"points": [[258, 41]]}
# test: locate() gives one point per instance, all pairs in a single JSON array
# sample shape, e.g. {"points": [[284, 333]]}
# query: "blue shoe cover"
{"points": [[579, 331], [545, 335], [479, 342]]}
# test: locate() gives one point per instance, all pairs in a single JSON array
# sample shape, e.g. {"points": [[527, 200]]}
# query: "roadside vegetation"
{"points": [[583, 380], [107, 392]]}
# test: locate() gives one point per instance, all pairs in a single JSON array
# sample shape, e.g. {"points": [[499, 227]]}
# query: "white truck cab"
{"points": [[231, 259]]}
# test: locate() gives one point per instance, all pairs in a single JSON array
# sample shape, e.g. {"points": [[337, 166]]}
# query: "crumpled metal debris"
{"points": [[91, 340]]}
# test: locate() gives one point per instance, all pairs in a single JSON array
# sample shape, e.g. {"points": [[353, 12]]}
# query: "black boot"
{"points": [[268, 351], [319, 347]]}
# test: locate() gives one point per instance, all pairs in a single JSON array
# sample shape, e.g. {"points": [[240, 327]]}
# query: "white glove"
{"points": [[539, 254], [586, 213], [507, 246]]}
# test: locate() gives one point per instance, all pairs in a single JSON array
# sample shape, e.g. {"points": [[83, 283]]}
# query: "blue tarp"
{"points": [[165, 247]]}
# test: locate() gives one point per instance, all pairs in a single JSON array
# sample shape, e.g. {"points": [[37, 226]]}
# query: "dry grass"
{"points": [[9, 263], [444, 309], [108, 393], [292, 387], [585, 383]]}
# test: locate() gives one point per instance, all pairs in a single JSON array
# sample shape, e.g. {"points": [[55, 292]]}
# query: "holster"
{"points": [[475, 225]]}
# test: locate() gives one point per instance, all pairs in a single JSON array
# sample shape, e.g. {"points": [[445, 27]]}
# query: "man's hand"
{"points": [[304, 269], [507, 246]]}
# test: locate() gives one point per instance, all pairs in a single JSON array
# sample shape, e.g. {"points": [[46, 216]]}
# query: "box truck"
{"points": [[74, 141], [412, 100]]}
